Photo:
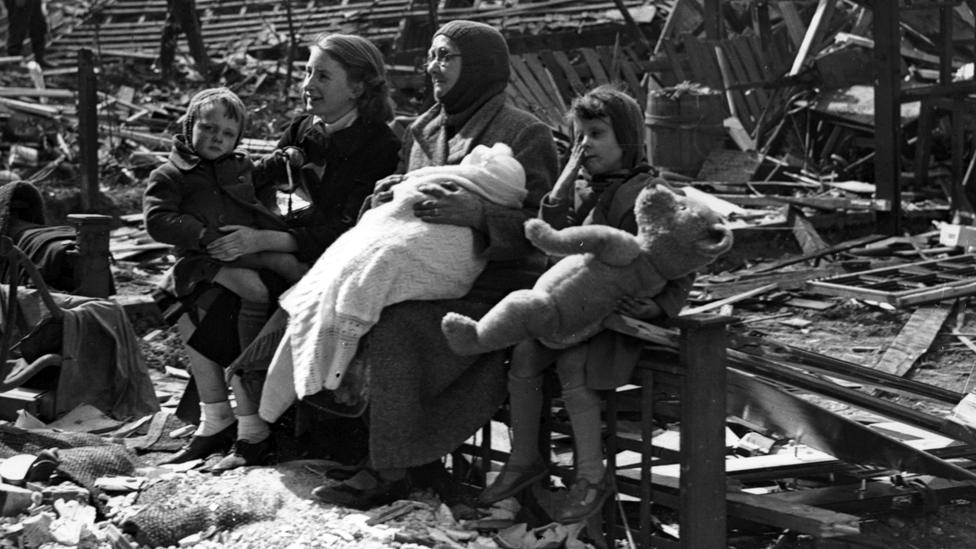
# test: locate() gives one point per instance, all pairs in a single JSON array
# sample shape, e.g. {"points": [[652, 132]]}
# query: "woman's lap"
{"points": [[425, 400]]}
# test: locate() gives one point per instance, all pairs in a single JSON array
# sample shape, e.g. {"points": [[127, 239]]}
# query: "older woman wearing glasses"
{"points": [[424, 401]]}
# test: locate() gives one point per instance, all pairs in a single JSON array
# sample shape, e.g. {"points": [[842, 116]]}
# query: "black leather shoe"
{"points": [[511, 480], [244, 454], [584, 500], [200, 447], [382, 493]]}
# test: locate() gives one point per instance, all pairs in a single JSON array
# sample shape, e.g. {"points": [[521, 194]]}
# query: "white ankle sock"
{"points": [[214, 418], [251, 428]]}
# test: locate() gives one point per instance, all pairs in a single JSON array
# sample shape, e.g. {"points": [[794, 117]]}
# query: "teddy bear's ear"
{"points": [[718, 242]]}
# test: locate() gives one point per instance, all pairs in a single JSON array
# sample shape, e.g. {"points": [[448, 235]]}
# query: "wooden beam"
{"points": [[88, 129], [764, 404], [887, 114], [914, 340], [702, 344], [821, 16]]}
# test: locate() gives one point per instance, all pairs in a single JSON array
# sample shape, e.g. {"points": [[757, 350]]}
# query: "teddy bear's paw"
{"points": [[461, 333], [536, 229]]}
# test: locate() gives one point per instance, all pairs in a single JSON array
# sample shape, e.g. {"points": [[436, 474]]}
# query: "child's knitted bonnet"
{"points": [[204, 98]]}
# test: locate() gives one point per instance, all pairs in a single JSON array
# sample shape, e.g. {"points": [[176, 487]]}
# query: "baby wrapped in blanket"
{"points": [[389, 256]]}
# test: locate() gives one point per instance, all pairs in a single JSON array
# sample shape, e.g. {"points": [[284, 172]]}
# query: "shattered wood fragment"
{"points": [[806, 235], [815, 521], [913, 340], [821, 16], [765, 404], [731, 299], [836, 248], [34, 92]]}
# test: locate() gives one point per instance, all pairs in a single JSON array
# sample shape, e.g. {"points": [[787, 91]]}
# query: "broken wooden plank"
{"points": [[806, 235], [764, 404], [822, 15], [913, 341], [843, 246], [794, 516], [731, 299]]}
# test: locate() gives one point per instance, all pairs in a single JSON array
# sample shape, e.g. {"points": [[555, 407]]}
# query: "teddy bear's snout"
{"points": [[722, 237]]}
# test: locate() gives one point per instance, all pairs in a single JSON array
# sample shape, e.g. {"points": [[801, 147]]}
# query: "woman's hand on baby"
{"points": [[449, 204], [239, 240], [639, 307], [383, 190]]}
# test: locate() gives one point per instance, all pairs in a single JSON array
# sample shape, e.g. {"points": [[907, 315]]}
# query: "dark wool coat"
{"points": [[425, 400], [188, 199], [355, 159]]}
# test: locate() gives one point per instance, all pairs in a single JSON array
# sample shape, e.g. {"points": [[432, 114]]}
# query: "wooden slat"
{"points": [[596, 67], [545, 78], [677, 65], [751, 66], [747, 104], [703, 64], [914, 340], [557, 74], [615, 57], [570, 72], [794, 24], [544, 98]]}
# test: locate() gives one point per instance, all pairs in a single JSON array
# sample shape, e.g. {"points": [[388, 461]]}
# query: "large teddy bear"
{"points": [[676, 236]]}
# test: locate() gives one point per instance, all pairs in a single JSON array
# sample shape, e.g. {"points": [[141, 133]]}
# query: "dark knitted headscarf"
{"points": [[625, 117], [221, 96], [484, 64]]}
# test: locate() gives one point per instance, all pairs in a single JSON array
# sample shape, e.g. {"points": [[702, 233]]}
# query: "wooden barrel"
{"points": [[682, 127]]}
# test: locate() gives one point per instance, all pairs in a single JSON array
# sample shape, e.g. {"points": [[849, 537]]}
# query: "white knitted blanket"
{"points": [[389, 256]]}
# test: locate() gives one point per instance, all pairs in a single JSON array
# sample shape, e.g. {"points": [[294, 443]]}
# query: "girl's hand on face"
{"points": [[383, 190], [567, 178], [449, 204], [239, 240], [639, 307]]}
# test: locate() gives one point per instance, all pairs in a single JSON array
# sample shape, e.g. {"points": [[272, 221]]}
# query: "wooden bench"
{"points": [[697, 369]]}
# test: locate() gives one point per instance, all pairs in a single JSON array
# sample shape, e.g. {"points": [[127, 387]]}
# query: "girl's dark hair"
{"points": [[613, 103], [364, 64]]}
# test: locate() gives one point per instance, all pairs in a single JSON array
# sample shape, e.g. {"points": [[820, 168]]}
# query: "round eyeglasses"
{"points": [[441, 56]]}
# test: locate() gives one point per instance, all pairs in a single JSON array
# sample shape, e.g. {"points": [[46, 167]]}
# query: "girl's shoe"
{"points": [[201, 446], [245, 454], [511, 480], [584, 500]]}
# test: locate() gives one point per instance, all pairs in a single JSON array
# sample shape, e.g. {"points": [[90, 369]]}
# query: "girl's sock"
{"points": [[214, 418], [583, 406], [251, 428], [525, 404]]}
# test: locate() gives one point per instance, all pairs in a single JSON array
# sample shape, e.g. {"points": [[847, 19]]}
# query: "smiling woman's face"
{"points": [[443, 65], [327, 90]]}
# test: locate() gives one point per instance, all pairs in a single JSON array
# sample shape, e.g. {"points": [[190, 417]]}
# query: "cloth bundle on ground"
{"points": [[101, 363], [676, 236], [388, 257]]}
